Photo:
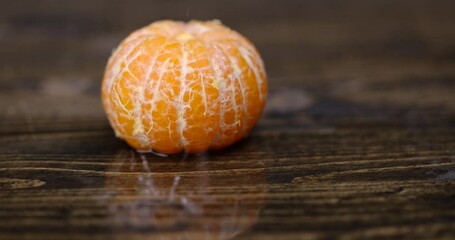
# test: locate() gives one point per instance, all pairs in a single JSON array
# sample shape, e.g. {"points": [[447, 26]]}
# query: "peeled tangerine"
{"points": [[174, 86]]}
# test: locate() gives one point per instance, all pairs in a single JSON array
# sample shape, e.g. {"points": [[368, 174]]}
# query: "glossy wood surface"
{"points": [[357, 140]]}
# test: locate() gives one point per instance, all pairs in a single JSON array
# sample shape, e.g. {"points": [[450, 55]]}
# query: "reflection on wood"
{"points": [[182, 204]]}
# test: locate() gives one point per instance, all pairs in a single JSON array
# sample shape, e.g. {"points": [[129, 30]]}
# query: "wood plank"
{"points": [[357, 140]]}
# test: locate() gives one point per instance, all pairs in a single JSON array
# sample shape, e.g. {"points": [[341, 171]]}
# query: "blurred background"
{"points": [[355, 50]]}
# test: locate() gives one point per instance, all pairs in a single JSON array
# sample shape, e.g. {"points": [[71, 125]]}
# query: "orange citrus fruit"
{"points": [[175, 86]]}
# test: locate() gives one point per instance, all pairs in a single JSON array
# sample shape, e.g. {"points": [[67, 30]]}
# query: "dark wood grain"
{"points": [[357, 140]]}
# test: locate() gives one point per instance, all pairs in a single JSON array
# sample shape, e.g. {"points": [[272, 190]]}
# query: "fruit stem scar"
{"points": [[184, 37]]}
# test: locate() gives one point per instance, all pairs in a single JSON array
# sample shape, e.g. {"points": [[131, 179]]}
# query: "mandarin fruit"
{"points": [[174, 86]]}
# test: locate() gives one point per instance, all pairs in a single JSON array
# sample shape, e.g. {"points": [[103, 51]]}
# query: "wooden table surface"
{"points": [[357, 140]]}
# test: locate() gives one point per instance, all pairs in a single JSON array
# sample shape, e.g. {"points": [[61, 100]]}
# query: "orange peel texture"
{"points": [[175, 86]]}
